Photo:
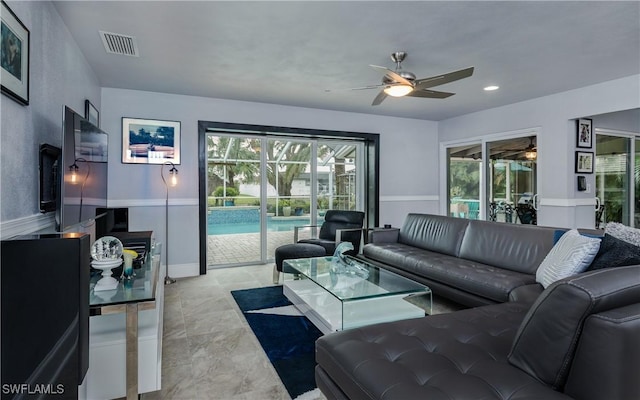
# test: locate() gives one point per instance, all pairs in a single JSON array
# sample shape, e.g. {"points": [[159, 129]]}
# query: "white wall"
{"points": [[561, 203], [626, 121], [59, 75], [408, 161]]}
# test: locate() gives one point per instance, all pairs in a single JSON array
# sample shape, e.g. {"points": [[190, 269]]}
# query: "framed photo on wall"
{"points": [[150, 141], [14, 52], [584, 162], [584, 133], [91, 113]]}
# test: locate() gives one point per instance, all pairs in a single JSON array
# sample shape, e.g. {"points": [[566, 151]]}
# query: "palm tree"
{"points": [[286, 161]]}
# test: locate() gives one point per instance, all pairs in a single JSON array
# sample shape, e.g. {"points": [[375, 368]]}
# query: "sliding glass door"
{"points": [[617, 177], [511, 186], [288, 176], [234, 201], [503, 191], [464, 182], [260, 187]]}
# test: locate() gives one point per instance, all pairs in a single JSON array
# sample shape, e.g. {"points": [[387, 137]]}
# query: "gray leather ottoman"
{"points": [[293, 251]]}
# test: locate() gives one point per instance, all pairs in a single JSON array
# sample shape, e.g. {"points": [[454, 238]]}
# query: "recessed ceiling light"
{"points": [[491, 88]]}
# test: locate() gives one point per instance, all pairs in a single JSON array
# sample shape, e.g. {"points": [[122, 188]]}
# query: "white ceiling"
{"points": [[289, 53]]}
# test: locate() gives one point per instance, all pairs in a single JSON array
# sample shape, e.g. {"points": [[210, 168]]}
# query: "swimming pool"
{"points": [[274, 224], [229, 220]]}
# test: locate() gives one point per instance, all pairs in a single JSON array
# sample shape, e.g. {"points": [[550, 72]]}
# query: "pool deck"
{"points": [[242, 247]]}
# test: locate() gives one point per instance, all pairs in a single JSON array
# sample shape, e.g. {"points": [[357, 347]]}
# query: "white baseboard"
{"points": [[27, 225], [184, 270]]}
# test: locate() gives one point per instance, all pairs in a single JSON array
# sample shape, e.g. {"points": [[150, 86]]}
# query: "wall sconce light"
{"points": [[173, 181]]}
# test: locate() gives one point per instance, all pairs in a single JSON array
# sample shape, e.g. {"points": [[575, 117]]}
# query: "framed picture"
{"points": [[584, 162], [14, 56], [585, 133], [150, 141], [91, 113]]}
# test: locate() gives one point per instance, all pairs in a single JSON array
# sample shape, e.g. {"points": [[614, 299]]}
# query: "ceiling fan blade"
{"points": [[392, 75], [356, 88], [431, 94], [442, 79], [379, 98], [368, 87]]}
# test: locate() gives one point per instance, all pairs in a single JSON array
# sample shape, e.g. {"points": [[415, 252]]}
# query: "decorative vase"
{"points": [[286, 211]]}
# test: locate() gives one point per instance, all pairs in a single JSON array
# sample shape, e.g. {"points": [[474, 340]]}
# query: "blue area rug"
{"points": [[288, 340]]}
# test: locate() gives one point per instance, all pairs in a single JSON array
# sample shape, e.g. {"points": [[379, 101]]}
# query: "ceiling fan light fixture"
{"points": [[531, 154], [398, 90], [491, 88]]}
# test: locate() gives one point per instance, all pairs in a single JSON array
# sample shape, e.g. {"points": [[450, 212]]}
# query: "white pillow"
{"points": [[571, 255]]}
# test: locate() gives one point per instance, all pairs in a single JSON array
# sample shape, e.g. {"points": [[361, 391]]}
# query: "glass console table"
{"points": [[335, 299], [130, 297]]}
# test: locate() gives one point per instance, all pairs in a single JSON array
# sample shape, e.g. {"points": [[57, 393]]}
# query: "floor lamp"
{"points": [[74, 168], [173, 172]]}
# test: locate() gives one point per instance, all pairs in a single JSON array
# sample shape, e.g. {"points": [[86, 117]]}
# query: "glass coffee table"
{"points": [[335, 298]]}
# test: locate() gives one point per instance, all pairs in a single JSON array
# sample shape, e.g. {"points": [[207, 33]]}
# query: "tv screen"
{"points": [[83, 171]]}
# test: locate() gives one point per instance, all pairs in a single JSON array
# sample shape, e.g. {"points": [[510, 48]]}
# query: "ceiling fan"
{"points": [[401, 83], [530, 152]]}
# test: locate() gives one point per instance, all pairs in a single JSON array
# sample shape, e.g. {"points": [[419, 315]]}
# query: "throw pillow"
{"points": [[623, 232], [615, 253], [557, 234], [571, 255]]}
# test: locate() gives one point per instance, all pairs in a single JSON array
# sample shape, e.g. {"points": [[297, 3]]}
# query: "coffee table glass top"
{"points": [[360, 281]]}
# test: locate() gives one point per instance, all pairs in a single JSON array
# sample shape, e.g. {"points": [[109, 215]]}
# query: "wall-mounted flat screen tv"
{"points": [[83, 172]]}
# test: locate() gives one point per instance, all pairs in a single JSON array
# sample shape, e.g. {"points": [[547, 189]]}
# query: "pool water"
{"points": [[281, 224]]}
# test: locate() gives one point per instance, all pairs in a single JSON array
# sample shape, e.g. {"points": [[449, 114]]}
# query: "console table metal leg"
{"points": [[132, 351]]}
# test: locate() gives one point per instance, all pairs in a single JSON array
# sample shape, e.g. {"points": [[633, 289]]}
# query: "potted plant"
{"points": [[230, 192], [286, 207]]}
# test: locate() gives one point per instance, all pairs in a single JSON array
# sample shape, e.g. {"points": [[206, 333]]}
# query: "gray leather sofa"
{"points": [[577, 340], [468, 261]]}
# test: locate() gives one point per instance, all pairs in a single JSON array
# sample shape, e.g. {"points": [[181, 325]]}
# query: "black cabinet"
{"points": [[45, 313]]}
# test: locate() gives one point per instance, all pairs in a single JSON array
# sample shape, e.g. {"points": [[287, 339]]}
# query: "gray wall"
{"points": [[560, 202], [408, 161], [628, 121], [59, 75], [409, 180]]}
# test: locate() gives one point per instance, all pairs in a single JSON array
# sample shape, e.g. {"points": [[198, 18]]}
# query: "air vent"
{"points": [[116, 43]]}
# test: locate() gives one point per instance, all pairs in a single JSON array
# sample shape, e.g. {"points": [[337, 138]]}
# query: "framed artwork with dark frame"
{"points": [[584, 134], [150, 141], [91, 113], [14, 56], [584, 162]]}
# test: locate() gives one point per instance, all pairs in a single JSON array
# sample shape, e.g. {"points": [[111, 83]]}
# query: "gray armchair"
{"points": [[339, 226]]}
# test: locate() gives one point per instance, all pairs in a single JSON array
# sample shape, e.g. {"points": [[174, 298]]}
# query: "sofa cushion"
{"points": [[480, 279], [545, 344], [623, 232], [462, 355], [615, 253], [572, 254], [607, 342], [514, 247], [433, 232]]}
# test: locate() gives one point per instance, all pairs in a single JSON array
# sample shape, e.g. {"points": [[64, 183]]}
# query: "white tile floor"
{"points": [[209, 351]]}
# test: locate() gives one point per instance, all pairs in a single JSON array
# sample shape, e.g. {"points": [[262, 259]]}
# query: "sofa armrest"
{"points": [[296, 229], [383, 235], [340, 231], [526, 293]]}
